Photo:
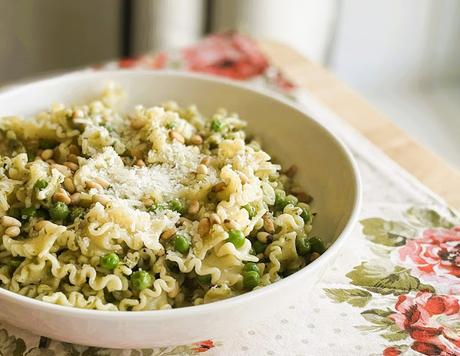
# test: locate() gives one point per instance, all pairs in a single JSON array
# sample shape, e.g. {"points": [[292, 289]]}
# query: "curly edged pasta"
{"points": [[155, 209]]}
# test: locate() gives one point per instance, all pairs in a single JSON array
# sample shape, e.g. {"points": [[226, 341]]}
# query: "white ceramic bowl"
{"points": [[326, 170]]}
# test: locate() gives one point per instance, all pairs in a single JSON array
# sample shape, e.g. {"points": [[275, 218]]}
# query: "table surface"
{"points": [[429, 168]]}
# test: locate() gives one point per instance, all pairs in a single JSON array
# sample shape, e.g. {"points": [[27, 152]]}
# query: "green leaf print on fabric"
{"points": [[381, 322], [426, 218], [378, 279], [355, 297], [10, 345], [387, 233]]}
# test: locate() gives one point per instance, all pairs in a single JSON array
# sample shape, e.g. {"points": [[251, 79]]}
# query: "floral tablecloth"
{"points": [[393, 290]]}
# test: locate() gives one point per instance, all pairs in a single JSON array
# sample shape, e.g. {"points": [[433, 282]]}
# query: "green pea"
{"points": [[280, 199], [250, 266], [216, 125], [181, 244], [141, 280], [44, 143], [110, 261], [59, 211], [77, 213], [302, 245], [236, 237], [41, 184], [27, 213], [251, 279], [259, 247], [290, 199], [158, 207], [251, 210], [305, 215], [206, 279], [317, 245], [177, 205]]}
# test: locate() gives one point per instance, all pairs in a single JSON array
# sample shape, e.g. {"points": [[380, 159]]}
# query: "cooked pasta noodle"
{"points": [[160, 208]]}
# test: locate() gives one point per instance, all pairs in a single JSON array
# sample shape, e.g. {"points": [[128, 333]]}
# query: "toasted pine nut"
{"points": [[12, 231], [243, 177], [215, 219], [137, 124], [148, 202], [50, 161], [93, 185], [269, 226], [140, 163], [62, 197], [72, 166], [68, 185], [174, 135], [193, 207], [72, 158], [202, 169], [291, 171], [264, 237], [196, 140], [99, 198], [8, 221], [167, 234], [314, 256], [206, 160], [63, 169], [219, 187], [73, 149], [40, 224], [75, 198], [47, 154], [204, 226], [102, 182]]}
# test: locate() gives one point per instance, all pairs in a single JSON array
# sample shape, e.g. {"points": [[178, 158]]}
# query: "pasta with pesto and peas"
{"points": [[161, 208]]}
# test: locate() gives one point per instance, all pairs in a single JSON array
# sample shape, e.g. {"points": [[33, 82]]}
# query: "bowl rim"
{"points": [[221, 304]]}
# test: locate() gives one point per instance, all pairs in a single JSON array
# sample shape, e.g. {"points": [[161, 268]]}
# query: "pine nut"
{"points": [[174, 135], [102, 182], [47, 154], [137, 124], [206, 160], [264, 237], [72, 166], [99, 198], [269, 226], [196, 140], [243, 178], [229, 224], [63, 169], [73, 149], [215, 219], [62, 197], [8, 221], [167, 234], [75, 198], [93, 185], [148, 202], [140, 163], [218, 187], [68, 185], [12, 231], [193, 207], [204, 226], [72, 158], [202, 169], [291, 171]]}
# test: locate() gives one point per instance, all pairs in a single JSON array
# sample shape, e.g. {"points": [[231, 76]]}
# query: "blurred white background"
{"points": [[403, 56]]}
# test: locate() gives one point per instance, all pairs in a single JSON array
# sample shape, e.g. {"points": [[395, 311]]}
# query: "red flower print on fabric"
{"points": [[432, 321], [229, 55], [203, 346], [434, 258]]}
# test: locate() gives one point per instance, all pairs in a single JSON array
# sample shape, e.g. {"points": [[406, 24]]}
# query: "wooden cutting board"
{"points": [[429, 168]]}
